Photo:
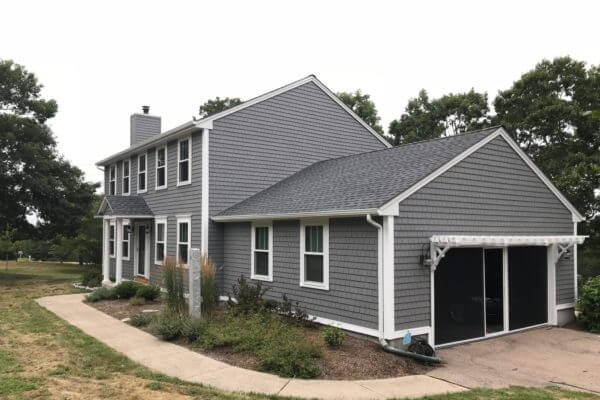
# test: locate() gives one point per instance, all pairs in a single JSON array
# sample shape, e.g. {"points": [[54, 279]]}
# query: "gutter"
{"points": [[382, 341]]}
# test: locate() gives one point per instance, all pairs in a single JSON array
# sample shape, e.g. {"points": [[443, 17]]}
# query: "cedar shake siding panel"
{"points": [[565, 279], [491, 192], [255, 148], [352, 294]]}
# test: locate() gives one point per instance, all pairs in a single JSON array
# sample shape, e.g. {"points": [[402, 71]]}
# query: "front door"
{"points": [[141, 256]]}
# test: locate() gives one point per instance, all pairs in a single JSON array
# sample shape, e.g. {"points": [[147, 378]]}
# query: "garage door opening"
{"points": [[487, 291]]}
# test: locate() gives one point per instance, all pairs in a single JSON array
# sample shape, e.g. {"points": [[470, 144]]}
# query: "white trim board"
{"points": [[565, 306], [308, 214]]}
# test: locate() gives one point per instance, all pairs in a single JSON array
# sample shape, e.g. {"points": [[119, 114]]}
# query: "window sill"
{"points": [[264, 278], [142, 191], [125, 259], [314, 285], [184, 183], [160, 188]]}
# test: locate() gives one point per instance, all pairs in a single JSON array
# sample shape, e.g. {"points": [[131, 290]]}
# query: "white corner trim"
{"points": [[564, 306], [421, 330], [303, 282], [575, 286], [262, 224], [388, 275], [205, 191]]}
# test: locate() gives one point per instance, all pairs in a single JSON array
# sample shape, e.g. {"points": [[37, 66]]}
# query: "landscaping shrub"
{"points": [[101, 294], [168, 326], [208, 283], [192, 328], [295, 313], [249, 297], [173, 283], [589, 304], [148, 292], [292, 361], [137, 301], [91, 277], [142, 319], [127, 289], [333, 336]]}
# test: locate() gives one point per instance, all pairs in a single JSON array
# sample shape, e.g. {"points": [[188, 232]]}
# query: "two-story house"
{"points": [[457, 238]]}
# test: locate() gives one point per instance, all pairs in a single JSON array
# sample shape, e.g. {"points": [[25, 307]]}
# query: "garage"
{"points": [[488, 286]]}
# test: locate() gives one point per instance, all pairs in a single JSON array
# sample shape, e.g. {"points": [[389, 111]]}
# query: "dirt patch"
{"points": [[358, 358]]}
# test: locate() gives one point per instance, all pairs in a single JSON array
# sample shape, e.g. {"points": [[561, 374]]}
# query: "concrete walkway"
{"points": [[179, 362]]}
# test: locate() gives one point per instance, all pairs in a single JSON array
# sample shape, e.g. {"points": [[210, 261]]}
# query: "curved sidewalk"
{"points": [[179, 362]]}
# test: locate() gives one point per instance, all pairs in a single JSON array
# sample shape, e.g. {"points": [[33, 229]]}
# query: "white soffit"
{"points": [[501, 241]]}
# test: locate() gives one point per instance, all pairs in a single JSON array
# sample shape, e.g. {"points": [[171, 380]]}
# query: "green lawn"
{"points": [[42, 357]]}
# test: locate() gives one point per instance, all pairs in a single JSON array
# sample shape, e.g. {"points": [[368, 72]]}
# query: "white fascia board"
{"points": [[333, 213], [128, 216], [311, 78]]}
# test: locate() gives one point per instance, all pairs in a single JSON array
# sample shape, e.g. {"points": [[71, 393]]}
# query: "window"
{"points": [[142, 173], [184, 163], [160, 240], [112, 185], [111, 239], [184, 230], [125, 177], [314, 255], [126, 232], [161, 168], [262, 255]]}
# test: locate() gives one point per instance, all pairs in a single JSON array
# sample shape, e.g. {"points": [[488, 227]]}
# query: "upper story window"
{"points": [[142, 173], [160, 240], [111, 239], [262, 253], [184, 234], [161, 168], [126, 172], [184, 161], [314, 254], [112, 180], [126, 232]]}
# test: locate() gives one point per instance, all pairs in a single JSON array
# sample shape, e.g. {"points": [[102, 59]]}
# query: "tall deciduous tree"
{"points": [[547, 111], [34, 178], [217, 105], [364, 107], [451, 114]]}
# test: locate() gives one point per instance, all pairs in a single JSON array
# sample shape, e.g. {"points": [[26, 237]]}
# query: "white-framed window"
{"points": [[314, 254], [111, 239], [161, 168], [126, 233], [125, 176], [142, 173], [184, 237], [262, 251], [160, 239], [184, 161], [112, 180]]}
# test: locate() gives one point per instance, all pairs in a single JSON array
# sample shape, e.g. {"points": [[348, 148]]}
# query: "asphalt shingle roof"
{"points": [[127, 206], [357, 182]]}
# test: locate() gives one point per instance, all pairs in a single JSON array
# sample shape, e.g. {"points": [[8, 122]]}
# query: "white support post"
{"points": [[505, 293], [575, 288], [552, 256], [105, 252], [388, 275], [205, 187], [119, 250], [432, 267], [195, 298]]}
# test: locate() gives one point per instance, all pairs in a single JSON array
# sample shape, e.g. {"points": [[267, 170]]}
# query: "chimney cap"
{"points": [[145, 109]]}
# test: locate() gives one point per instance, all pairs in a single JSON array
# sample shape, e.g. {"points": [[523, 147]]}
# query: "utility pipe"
{"points": [[382, 341]]}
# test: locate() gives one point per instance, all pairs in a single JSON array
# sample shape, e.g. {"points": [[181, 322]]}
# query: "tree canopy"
{"points": [[451, 114], [217, 105], [364, 107], [34, 178]]}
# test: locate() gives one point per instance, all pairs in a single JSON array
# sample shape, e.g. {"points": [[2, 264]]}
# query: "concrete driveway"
{"points": [[539, 357]]}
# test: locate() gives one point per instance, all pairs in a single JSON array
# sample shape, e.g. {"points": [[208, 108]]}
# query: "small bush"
{"points": [[168, 326], [142, 319], [333, 336], [91, 278], [292, 361], [249, 297], [172, 276], [295, 312], [137, 301], [127, 289], [192, 329], [208, 283], [101, 294], [589, 304], [148, 292]]}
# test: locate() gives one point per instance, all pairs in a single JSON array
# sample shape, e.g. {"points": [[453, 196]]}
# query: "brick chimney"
{"points": [[143, 126]]}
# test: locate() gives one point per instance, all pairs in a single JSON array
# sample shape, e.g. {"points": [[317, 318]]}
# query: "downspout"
{"points": [[382, 341]]}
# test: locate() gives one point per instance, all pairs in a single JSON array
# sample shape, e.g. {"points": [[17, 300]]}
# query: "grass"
{"points": [[42, 357]]}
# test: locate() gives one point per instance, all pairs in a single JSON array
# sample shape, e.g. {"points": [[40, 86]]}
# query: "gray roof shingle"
{"points": [[357, 182], [125, 206]]}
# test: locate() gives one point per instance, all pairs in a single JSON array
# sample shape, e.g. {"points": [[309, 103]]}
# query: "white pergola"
{"points": [[440, 244]]}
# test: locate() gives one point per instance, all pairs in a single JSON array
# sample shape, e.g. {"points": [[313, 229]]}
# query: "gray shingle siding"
{"points": [[491, 192], [565, 283], [352, 294]]}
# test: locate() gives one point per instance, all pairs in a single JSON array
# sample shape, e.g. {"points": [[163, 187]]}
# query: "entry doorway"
{"points": [[142, 253], [482, 292]]}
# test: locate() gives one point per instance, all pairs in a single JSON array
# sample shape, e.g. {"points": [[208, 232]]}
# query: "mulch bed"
{"points": [[358, 358]]}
